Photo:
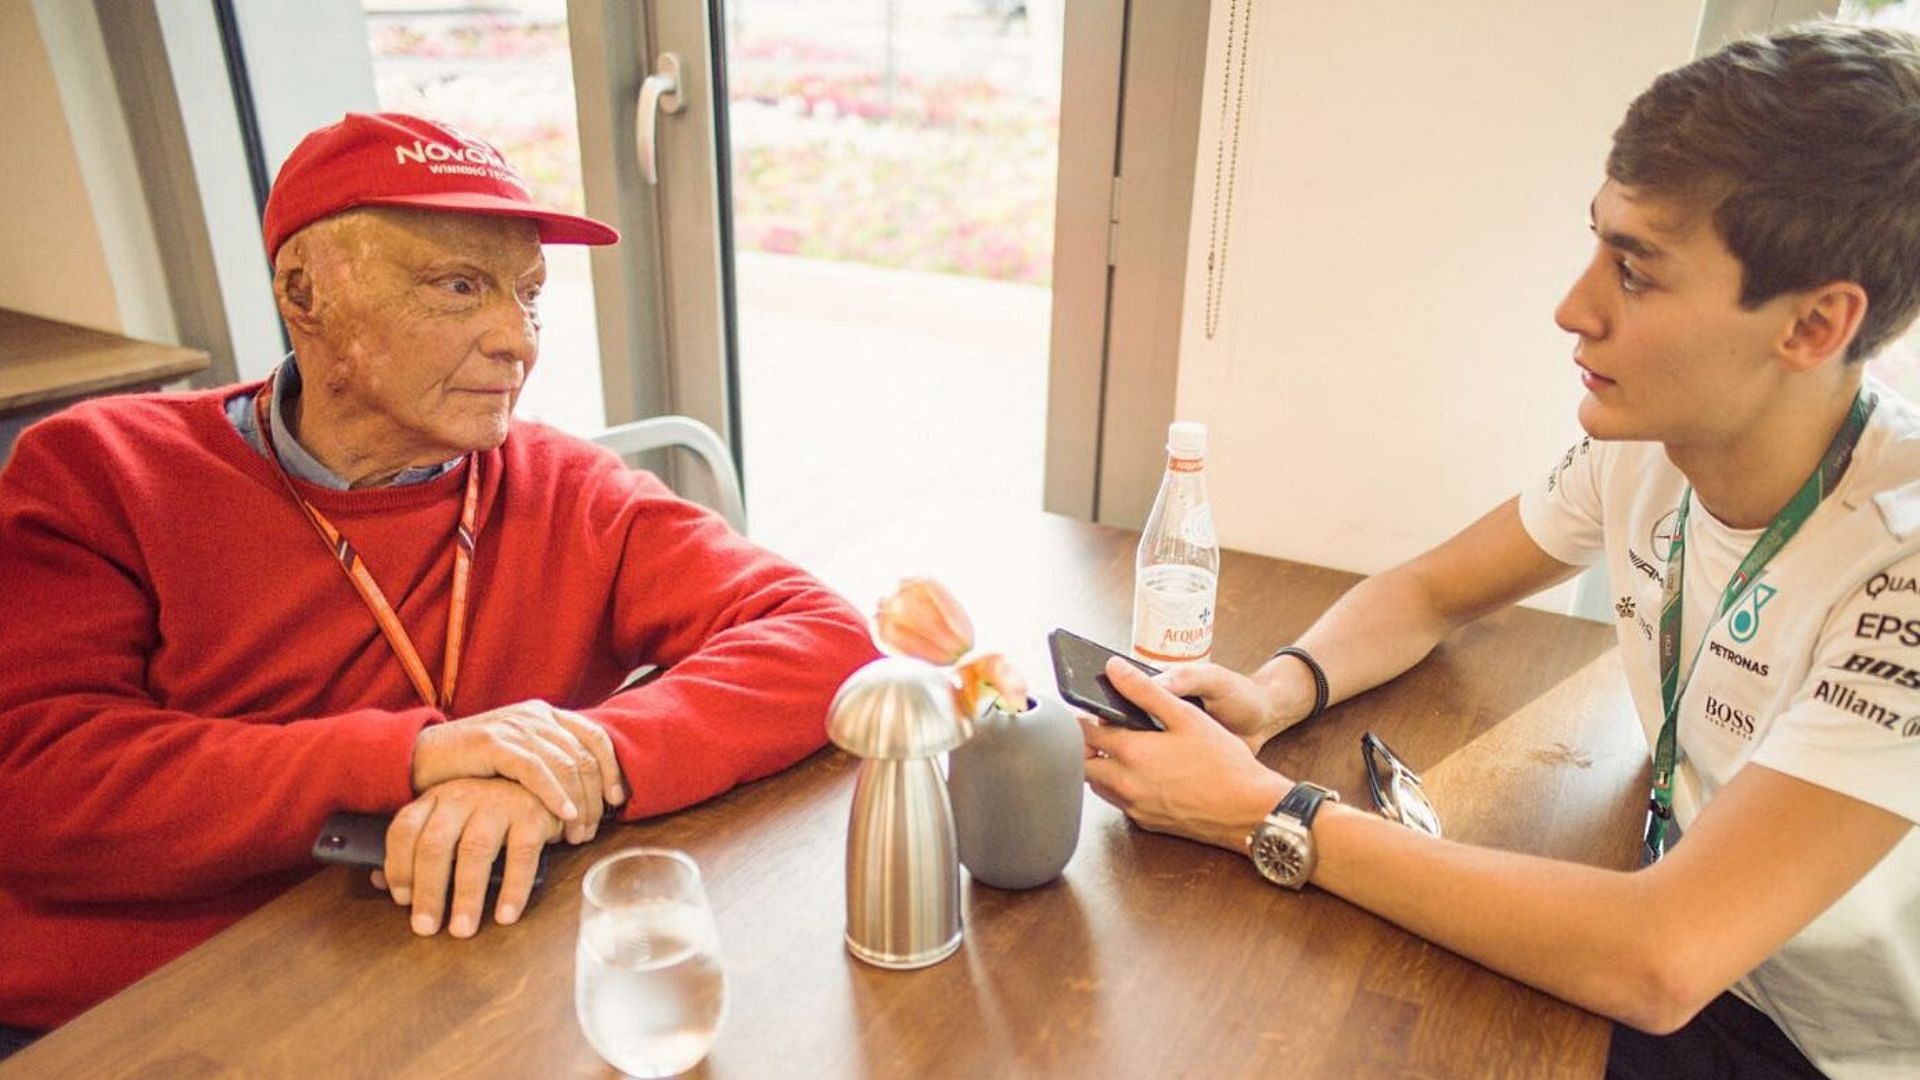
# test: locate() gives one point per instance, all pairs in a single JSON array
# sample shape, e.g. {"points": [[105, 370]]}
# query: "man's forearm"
{"points": [[130, 802], [1391, 621], [1561, 927], [1379, 629], [1574, 931]]}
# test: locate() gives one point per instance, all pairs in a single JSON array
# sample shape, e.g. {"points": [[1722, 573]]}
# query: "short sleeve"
{"points": [[1561, 510], [1854, 725]]}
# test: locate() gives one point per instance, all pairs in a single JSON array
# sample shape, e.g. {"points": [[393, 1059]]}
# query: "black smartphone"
{"points": [[350, 839], [1079, 670]]}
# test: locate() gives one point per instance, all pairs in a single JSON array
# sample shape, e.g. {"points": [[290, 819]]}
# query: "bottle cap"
{"points": [[1187, 439]]}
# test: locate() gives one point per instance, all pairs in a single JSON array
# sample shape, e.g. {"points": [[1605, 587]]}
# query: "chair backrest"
{"points": [[661, 432]]}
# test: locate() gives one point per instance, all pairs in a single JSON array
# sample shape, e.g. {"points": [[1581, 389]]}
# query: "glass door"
{"points": [[851, 227], [892, 170]]}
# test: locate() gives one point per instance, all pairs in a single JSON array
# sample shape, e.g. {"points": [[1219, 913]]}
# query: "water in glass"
{"points": [[648, 984]]}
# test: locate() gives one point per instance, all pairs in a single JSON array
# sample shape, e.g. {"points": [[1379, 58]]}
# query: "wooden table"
{"points": [[1152, 957]]}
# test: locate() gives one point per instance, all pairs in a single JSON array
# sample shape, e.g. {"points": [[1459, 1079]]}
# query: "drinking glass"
{"points": [[647, 982]]}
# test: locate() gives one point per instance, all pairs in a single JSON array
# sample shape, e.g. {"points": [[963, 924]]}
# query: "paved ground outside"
{"points": [[865, 390]]}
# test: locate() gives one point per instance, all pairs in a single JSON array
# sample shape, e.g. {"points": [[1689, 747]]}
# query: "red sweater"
{"points": [[189, 684]]}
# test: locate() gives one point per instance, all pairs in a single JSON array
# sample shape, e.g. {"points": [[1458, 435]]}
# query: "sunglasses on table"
{"points": [[1397, 793]]}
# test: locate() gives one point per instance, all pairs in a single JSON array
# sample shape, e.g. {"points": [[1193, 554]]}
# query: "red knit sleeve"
{"points": [[109, 795], [753, 647]]}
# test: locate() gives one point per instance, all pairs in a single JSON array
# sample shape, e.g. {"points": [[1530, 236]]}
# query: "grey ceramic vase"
{"points": [[1016, 789]]}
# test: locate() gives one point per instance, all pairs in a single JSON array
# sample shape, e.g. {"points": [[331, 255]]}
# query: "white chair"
{"points": [[663, 432]]}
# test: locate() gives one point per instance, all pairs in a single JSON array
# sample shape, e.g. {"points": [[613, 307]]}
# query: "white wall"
{"points": [[104, 150], [1410, 203], [51, 261]]}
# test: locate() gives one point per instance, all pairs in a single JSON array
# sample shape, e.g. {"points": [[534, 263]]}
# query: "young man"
{"points": [[1756, 502]]}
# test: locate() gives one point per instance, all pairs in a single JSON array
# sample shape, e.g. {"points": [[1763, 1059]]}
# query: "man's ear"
{"points": [[1826, 318], [293, 292]]}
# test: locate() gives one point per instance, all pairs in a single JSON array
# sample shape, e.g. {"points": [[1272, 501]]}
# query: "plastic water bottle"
{"points": [[1177, 570]]}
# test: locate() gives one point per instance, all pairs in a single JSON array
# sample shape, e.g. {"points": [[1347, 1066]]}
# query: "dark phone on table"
{"points": [[1078, 668], [350, 839]]}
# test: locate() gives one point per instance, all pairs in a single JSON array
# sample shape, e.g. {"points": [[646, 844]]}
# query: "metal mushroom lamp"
{"points": [[903, 870]]}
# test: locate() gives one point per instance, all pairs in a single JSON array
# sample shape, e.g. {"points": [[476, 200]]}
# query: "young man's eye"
{"points": [[1630, 279]]}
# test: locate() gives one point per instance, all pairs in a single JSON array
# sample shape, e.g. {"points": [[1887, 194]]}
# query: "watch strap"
{"points": [[1302, 803]]}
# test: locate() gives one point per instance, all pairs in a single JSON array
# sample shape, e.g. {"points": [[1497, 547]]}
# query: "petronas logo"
{"points": [[1746, 618]]}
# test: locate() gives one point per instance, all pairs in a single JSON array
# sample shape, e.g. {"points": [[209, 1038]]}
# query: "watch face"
{"points": [[1280, 855]]}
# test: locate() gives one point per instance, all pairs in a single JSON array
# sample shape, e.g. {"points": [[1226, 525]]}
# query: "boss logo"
{"points": [[1896, 674], [1728, 718]]}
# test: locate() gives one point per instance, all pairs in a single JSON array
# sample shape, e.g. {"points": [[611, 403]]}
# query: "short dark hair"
{"points": [[1805, 147]]}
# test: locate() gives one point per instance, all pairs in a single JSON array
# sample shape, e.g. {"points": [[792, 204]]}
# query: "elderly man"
{"points": [[362, 586]]}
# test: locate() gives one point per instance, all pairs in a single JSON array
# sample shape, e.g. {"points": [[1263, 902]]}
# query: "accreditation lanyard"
{"points": [[369, 590], [1833, 464]]}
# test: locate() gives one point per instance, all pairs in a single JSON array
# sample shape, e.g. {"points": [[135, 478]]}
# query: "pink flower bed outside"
{"points": [[952, 175]]}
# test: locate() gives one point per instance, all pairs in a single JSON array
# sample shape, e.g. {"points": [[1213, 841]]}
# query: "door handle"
{"points": [[659, 93]]}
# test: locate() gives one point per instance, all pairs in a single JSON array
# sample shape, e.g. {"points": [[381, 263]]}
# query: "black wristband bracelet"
{"points": [[1321, 691]]}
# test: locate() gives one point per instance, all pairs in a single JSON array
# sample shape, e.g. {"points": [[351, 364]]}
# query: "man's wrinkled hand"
{"points": [[446, 841], [563, 758]]}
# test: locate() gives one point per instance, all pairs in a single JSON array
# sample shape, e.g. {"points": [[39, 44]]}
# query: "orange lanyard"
{"points": [[369, 590]]}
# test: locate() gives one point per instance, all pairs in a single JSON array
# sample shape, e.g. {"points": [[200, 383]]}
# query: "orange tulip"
{"points": [[923, 620], [991, 679]]}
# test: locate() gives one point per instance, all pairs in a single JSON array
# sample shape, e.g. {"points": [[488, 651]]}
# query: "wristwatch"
{"points": [[1282, 846]]}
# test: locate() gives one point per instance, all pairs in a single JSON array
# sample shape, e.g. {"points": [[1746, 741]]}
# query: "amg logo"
{"points": [[1882, 669], [1736, 659], [1645, 567], [1846, 700], [1726, 717]]}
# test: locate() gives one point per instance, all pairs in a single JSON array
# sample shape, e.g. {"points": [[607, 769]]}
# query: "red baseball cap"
{"points": [[392, 159]]}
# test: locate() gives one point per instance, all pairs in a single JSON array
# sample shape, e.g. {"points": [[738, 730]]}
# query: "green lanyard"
{"points": [[1833, 464]]}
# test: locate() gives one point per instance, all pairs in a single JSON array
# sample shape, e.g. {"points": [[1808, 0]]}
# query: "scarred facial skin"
{"points": [[414, 331]]}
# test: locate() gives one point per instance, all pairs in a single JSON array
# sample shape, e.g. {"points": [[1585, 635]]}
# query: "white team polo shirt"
{"points": [[1816, 673]]}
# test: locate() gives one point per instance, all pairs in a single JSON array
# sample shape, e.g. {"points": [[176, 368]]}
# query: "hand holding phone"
{"points": [[350, 839], [1079, 668]]}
